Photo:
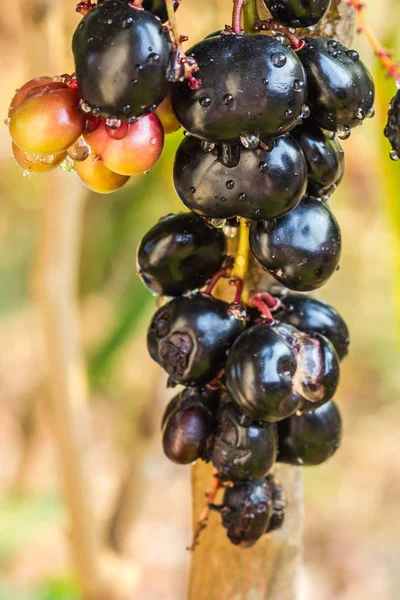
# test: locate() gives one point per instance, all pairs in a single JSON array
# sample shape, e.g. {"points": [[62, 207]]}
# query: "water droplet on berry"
{"points": [[48, 159], [127, 23], [353, 54], [242, 196], [298, 85], [153, 58], [224, 198], [343, 132], [333, 52], [279, 37], [227, 99], [359, 114], [68, 164], [305, 112], [393, 155], [132, 120], [134, 82], [186, 133], [250, 141], [30, 157], [26, 173], [205, 101], [113, 123], [7, 121], [263, 166], [288, 114], [193, 190], [230, 184], [218, 223], [230, 232], [96, 111], [79, 151], [370, 113], [278, 59], [109, 22], [207, 146], [265, 81]]}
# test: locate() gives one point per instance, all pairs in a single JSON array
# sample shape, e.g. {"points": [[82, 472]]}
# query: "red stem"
{"points": [[214, 280], [236, 15], [272, 302], [263, 308], [238, 283]]}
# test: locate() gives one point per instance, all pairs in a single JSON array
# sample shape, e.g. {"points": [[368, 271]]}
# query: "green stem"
{"points": [[250, 15]]}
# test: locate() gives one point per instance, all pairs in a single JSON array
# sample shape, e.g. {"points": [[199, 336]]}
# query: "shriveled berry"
{"points": [[121, 59], [227, 181], [97, 177], [187, 427], [312, 438], [247, 87], [180, 253], [311, 315], [298, 13], [47, 121], [190, 335], [259, 374], [341, 89], [247, 510], [324, 156], [135, 151], [242, 452], [300, 249]]}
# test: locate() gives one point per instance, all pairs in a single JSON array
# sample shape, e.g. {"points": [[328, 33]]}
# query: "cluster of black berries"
{"points": [[260, 373]]}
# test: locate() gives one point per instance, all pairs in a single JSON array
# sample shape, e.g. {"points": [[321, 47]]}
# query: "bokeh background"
{"points": [[352, 539]]}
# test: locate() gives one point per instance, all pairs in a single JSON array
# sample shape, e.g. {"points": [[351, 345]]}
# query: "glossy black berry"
{"points": [[392, 129], [278, 505], [242, 452], [121, 60], [247, 511], [227, 181], [187, 427], [298, 13], [324, 156], [259, 374], [341, 89], [300, 249], [312, 438], [190, 336], [158, 8], [180, 253], [311, 315], [250, 85]]}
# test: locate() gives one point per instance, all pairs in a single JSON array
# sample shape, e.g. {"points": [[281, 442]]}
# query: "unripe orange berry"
{"points": [[98, 177], [47, 122], [167, 116], [135, 152], [33, 163], [25, 89]]}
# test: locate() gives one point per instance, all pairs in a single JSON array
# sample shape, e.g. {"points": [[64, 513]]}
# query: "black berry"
{"points": [[392, 129], [300, 249], [158, 8], [180, 253], [298, 13]]}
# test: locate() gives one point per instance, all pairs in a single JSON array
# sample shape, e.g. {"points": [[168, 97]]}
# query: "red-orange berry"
{"points": [[98, 177]]}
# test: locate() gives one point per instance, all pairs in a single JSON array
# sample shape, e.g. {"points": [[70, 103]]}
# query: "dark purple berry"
{"points": [[180, 253], [190, 336], [187, 427], [300, 249], [311, 315], [324, 156], [310, 439], [259, 76], [392, 129], [298, 13], [259, 374], [341, 89], [242, 451], [121, 59], [257, 184], [158, 8]]}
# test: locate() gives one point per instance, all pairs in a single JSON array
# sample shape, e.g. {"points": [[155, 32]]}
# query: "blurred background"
{"points": [[352, 532]]}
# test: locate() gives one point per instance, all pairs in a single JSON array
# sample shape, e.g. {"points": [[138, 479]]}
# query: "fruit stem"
{"points": [[237, 16], [243, 252], [224, 272], [188, 69], [391, 67], [261, 305], [202, 522], [272, 25]]}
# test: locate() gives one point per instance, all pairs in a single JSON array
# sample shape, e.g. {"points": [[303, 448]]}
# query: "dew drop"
{"points": [[288, 114], [79, 151], [26, 173], [113, 123], [279, 37], [30, 157], [109, 22], [132, 120], [153, 58], [353, 54], [126, 109], [343, 132], [224, 199], [359, 114], [84, 106], [250, 141], [7, 121], [263, 166], [134, 82], [127, 23], [305, 112], [68, 164], [153, 141], [47, 160], [278, 59], [96, 111], [193, 190], [227, 99], [370, 113], [333, 53], [298, 85], [205, 101], [207, 146], [242, 196], [394, 155], [186, 133], [265, 81], [230, 184]]}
